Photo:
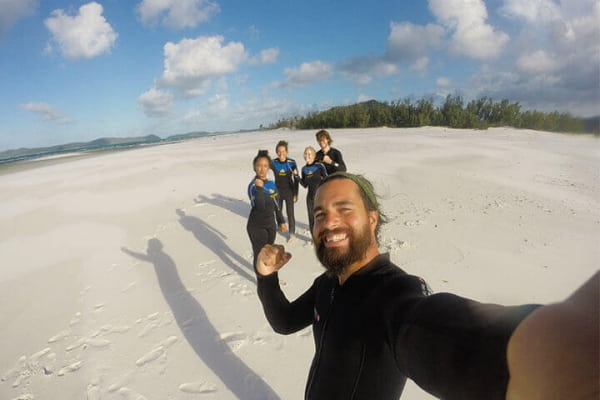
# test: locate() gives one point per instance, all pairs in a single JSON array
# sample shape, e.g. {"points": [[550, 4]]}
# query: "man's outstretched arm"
{"points": [[285, 317], [554, 353]]}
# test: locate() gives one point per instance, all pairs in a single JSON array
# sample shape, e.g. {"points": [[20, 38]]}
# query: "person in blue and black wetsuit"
{"points": [[265, 216], [286, 180], [312, 175]]}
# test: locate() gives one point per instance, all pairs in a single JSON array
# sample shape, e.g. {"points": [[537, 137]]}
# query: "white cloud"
{"points": [[557, 55], [444, 82], [411, 43], [191, 64], [471, 34], [305, 74], [538, 62], [14, 10], [84, 35], [47, 112], [362, 70], [156, 102], [217, 113], [177, 13], [533, 11], [269, 56]]}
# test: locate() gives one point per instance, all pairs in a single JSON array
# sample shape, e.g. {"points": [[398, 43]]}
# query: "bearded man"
{"points": [[374, 325]]}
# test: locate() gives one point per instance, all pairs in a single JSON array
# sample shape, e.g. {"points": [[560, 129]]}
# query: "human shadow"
{"points": [[198, 330], [215, 240], [236, 206]]}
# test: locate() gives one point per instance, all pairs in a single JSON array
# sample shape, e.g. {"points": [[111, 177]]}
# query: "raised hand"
{"points": [[272, 258]]}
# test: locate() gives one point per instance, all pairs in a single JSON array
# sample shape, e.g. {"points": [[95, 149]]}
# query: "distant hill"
{"points": [[102, 143]]}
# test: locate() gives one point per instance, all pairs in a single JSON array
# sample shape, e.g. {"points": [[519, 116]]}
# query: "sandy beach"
{"points": [[127, 275]]}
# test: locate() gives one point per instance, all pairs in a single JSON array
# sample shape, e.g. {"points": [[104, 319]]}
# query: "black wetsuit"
{"points": [[312, 175], [287, 186], [264, 217], [338, 164], [382, 326]]}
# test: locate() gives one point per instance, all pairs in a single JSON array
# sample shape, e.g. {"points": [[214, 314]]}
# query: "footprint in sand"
{"points": [[159, 351], [152, 355], [58, 337], [129, 287], [93, 392], [70, 368], [240, 288], [121, 382], [234, 340], [24, 396], [129, 394], [75, 320], [198, 387]]}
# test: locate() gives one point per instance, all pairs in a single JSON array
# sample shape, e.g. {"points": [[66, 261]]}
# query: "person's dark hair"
{"points": [[323, 134], [261, 154], [367, 193], [281, 143]]}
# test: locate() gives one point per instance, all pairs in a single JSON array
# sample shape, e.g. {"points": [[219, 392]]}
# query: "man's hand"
{"points": [[259, 182], [283, 228], [271, 259]]}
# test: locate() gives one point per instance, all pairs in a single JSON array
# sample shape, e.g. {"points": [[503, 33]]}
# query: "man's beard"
{"points": [[335, 259]]}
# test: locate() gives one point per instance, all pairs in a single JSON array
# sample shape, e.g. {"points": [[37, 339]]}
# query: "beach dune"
{"points": [[127, 275]]}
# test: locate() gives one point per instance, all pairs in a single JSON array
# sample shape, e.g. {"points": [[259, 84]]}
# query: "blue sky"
{"points": [[79, 70]]}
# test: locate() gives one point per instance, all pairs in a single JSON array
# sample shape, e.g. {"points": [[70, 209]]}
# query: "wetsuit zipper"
{"points": [[321, 340]]}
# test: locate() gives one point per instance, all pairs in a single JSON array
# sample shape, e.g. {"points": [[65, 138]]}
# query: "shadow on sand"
{"points": [[236, 206], [199, 332], [215, 240]]}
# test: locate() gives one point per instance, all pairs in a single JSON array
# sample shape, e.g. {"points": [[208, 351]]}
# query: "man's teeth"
{"points": [[336, 238]]}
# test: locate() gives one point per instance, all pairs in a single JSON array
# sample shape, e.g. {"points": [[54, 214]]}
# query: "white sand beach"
{"points": [[127, 275]]}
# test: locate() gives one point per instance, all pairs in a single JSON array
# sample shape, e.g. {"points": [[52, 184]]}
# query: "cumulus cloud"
{"points": [[191, 64], [444, 82], [84, 35], [411, 43], [471, 34], [218, 113], [47, 112], [533, 11], [156, 102], [267, 56], [557, 54], [177, 13], [305, 74], [362, 70], [14, 10]]}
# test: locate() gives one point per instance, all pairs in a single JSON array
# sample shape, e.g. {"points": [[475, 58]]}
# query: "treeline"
{"points": [[453, 113]]}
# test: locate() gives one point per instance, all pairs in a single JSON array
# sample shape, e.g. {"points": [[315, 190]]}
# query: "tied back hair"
{"points": [[261, 154]]}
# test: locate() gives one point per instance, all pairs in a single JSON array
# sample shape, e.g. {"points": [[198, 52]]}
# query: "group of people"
{"points": [[375, 325], [268, 198]]}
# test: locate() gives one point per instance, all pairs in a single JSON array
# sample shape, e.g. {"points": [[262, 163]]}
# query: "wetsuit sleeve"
{"points": [[455, 348], [303, 179], [285, 317], [260, 198], [323, 171], [337, 158]]}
